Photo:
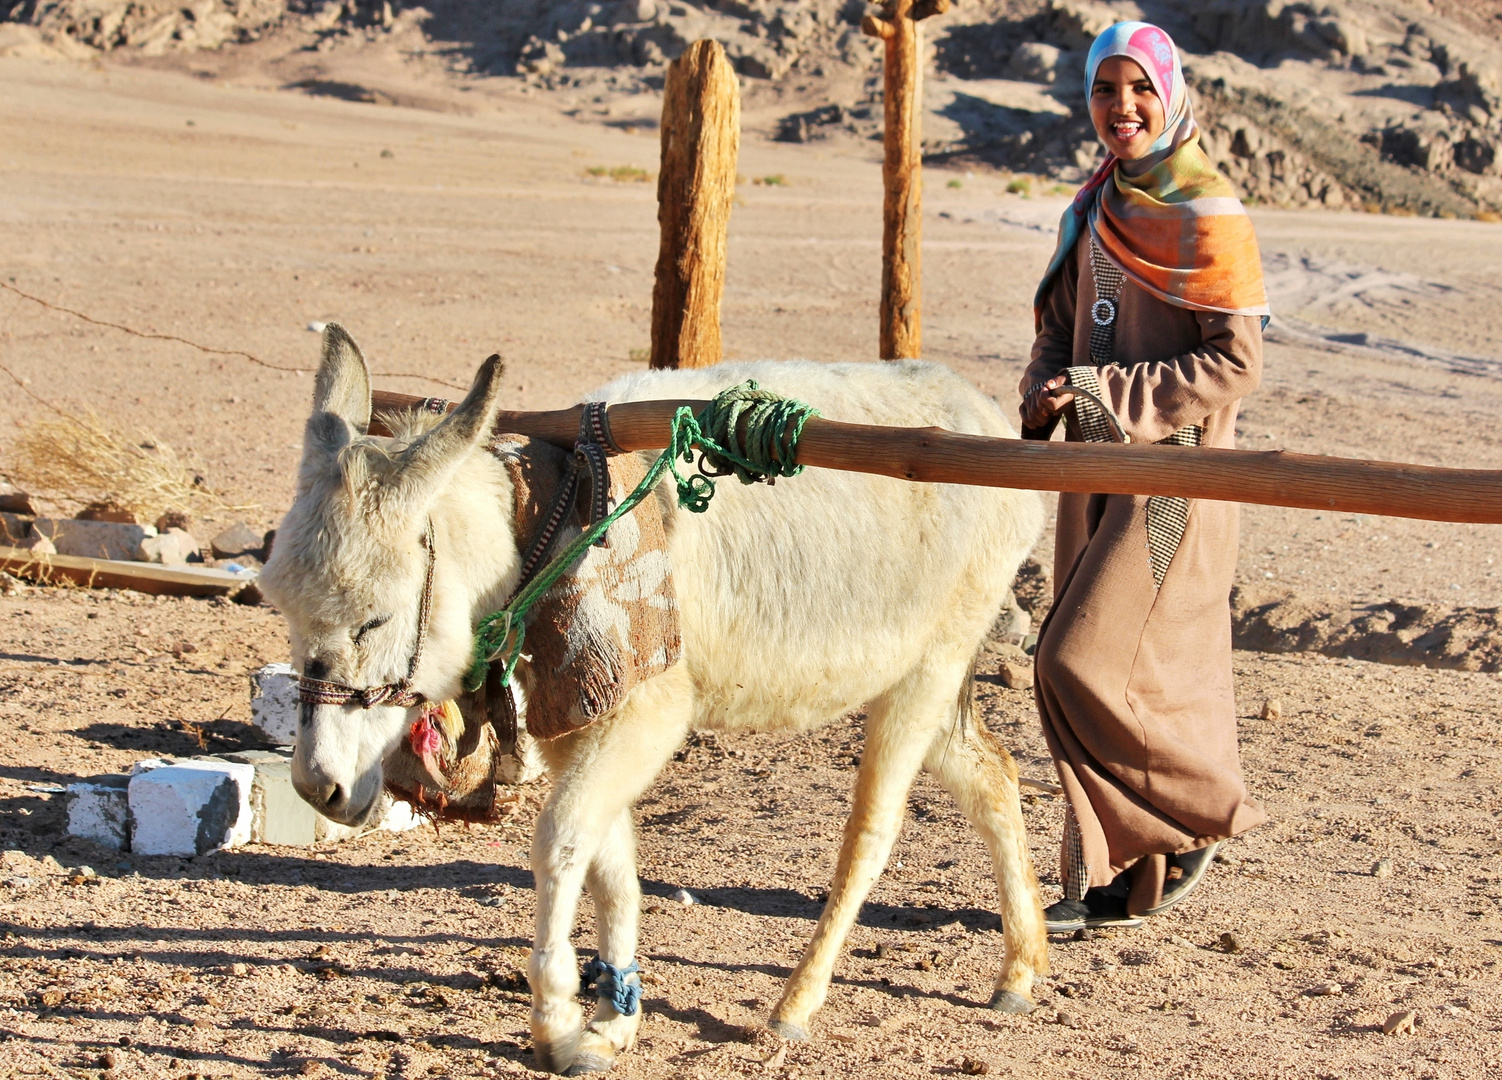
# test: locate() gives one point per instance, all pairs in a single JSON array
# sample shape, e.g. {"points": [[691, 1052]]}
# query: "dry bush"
{"points": [[81, 459]]}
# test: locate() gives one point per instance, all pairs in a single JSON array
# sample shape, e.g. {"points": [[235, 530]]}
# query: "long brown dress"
{"points": [[1133, 679]]}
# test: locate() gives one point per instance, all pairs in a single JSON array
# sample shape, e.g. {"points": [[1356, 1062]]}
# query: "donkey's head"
{"points": [[352, 570]]}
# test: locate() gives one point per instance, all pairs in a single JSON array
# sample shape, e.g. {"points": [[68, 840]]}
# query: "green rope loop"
{"points": [[773, 426]]}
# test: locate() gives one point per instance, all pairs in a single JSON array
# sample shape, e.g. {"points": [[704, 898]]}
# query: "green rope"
{"points": [[773, 427]]}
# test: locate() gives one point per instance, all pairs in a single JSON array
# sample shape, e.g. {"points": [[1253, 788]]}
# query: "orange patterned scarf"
{"points": [[1177, 229]]}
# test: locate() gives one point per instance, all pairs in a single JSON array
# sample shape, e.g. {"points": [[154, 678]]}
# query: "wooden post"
{"points": [[701, 134], [902, 174]]}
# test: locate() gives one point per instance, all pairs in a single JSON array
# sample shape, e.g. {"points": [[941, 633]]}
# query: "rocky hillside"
{"points": [[1392, 104]]}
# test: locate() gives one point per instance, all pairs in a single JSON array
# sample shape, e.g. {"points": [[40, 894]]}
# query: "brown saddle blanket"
{"points": [[609, 624]]}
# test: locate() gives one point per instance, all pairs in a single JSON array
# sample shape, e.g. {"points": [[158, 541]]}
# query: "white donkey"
{"points": [[799, 604]]}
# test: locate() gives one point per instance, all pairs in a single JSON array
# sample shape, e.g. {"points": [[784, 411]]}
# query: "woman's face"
{"points": [[1126, 110]]}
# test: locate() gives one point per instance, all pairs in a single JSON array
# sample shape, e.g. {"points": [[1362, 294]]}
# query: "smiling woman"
{"points": [[1149, 329]]}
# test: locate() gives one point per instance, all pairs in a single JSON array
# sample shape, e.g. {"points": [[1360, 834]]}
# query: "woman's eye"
{"points": [[378, 621]]}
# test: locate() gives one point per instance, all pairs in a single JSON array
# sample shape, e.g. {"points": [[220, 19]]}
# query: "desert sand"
{"points": [[234, 214]]}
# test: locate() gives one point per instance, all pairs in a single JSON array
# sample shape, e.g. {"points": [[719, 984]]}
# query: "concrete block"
{"points": [[99, 810], [191, 807], [280, 816], [95, 539], [273, 703], [278, 813]]}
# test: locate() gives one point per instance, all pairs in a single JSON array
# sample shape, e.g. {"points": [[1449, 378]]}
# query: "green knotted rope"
{"points": [[773, 426]]}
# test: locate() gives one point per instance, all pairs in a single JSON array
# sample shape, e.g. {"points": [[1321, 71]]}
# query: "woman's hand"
{"points": [[1044, 401]]}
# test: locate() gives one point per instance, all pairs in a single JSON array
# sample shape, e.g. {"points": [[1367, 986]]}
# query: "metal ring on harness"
{"points": [[1103, 312]]}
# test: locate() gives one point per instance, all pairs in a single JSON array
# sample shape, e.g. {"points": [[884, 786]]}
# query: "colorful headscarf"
{"points": [[1177, 228]]}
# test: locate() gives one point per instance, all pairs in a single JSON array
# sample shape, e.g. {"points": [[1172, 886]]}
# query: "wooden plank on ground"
{"points": [[115, 574]]}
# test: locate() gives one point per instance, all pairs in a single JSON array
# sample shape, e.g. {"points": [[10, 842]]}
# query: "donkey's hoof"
{"points": [[587, 1063], [789, 1031], [1009, 1001]]}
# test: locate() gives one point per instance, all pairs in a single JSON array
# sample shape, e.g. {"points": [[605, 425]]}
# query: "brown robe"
{"points": [[1133, 682]]}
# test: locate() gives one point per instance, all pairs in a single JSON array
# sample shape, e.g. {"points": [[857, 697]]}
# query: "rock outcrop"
{"points": [[1380, 104]]}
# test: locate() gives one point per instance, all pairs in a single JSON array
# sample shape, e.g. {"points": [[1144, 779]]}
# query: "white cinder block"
{"points": [[274, 704], [191, 808], [99, 810]]}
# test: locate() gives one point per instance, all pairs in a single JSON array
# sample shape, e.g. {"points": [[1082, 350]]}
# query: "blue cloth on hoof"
{"points": [[610, 983]]}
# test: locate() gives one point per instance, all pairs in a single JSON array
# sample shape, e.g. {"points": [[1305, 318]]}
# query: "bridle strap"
{"points": [[398, 694]]}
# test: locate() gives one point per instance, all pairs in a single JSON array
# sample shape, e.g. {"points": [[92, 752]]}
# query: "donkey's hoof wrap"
{"points": [[587, 1064], [790, 1032], [1009, 1001]]}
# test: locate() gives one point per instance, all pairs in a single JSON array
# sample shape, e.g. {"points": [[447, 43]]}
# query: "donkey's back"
{"points": [[807, 599]]}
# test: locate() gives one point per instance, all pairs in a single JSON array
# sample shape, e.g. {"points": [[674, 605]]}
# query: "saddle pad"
{"points": [[608, 624]]}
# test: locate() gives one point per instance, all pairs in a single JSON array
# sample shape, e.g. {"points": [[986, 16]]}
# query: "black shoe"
{"points": [[1191, 866], [1099, 908]]}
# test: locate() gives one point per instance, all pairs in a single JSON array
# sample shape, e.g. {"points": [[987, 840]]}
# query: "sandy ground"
{"points": [[234, 215]]}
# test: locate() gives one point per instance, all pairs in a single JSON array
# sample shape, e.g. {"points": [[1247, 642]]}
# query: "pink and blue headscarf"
{"points": [[1176, 228]]}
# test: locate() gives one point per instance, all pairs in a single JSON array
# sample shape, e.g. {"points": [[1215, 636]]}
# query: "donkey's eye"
{"points": [[373, 624]]}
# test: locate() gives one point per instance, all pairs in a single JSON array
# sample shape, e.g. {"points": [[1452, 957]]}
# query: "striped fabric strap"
{"points": [[1108, 282], [1167, 515], [1074, 872], [1094, 425]]}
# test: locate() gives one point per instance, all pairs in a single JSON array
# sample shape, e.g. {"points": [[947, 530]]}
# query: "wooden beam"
{"points": [[701, 132], [936, 456], [901, 327], [116, 574]]}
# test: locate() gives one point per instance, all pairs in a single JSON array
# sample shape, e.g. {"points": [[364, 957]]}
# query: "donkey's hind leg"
{"points": [[977, 770], [900, 727], [597, 772]]}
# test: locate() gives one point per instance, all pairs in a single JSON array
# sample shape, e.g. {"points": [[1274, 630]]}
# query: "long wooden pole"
{"points": [[701, 131], [936, 456], [901, 330]]}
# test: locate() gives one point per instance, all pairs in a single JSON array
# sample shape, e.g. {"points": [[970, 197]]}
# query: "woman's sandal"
{"points": [[1099, 908], [1191, 866]]}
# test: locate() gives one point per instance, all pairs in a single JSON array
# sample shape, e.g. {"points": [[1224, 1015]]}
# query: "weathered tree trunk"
{"points": [[701, 134], [902, 175]]}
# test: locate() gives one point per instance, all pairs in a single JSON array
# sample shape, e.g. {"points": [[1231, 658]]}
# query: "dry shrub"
{"points": [[81, 459]]}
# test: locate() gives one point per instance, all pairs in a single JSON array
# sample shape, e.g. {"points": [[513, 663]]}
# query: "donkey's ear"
{"points": [[430, 461], [343, 384]]}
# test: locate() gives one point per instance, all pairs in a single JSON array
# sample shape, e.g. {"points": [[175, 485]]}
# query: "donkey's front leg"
{"points": [[899, 729], [598, 772], [616, 890]]}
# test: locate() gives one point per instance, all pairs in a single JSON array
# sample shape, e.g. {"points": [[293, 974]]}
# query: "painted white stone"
{"points": [[191, 807], [95, 539], [273, 703], [99, 810], [400, 817]]}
